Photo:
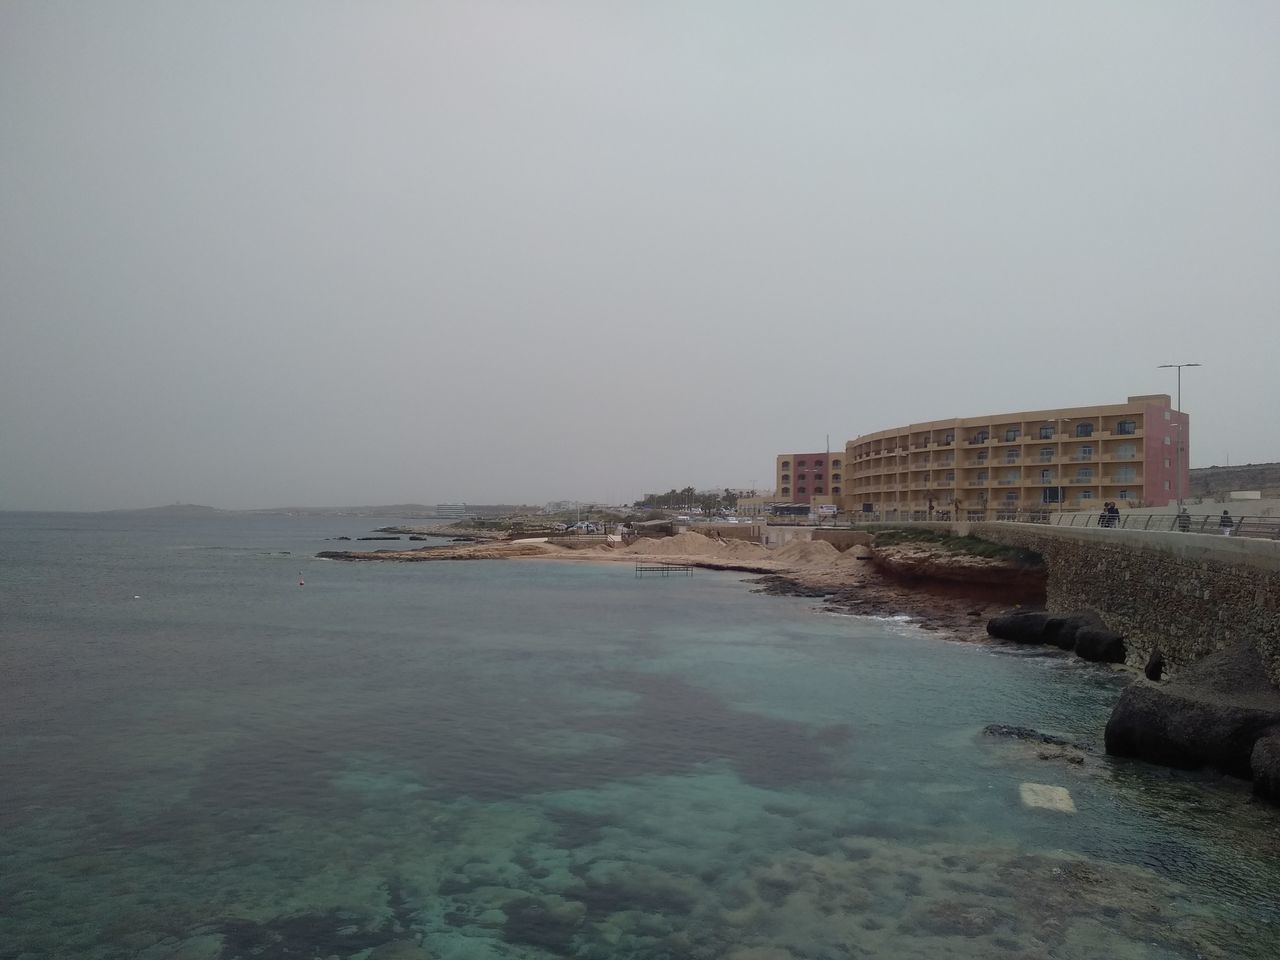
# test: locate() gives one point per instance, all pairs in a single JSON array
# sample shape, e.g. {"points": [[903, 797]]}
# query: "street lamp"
{"points": [[1178, 465]]}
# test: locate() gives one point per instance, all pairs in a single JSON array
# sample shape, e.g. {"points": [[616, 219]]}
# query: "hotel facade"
{"points": [[1075, 458], [804, 477]]}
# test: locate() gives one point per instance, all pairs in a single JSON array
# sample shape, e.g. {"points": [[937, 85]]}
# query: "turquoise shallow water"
{"points": [[539, 759]]}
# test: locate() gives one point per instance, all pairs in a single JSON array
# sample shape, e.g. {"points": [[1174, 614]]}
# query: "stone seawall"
{"points": [[1186, 594]]}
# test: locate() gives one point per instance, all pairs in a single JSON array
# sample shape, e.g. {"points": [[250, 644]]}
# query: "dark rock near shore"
{"points": [[1215, 714], [1099, 645], [1021, 627], [377, 538], [1264, 763], [1084, 632], [777, 586]]}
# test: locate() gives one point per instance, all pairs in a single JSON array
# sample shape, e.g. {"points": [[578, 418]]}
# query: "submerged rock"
{"points": [[1023, 733], [1215, 715]]}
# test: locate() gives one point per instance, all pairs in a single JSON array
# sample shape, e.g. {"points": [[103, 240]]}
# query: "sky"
{"points": [[317, 253]]}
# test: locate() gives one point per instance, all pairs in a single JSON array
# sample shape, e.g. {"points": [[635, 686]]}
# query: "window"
{"points": [[835, 491], [980, 437], [1166, 463], [1011, 495], [801, 463], [1085, 453], [786, 491], [1084, 429], [949, 438], [1167, 441], [817, 489], [1127, 474], [835, 478], [1167, 415], [1011, 434], [786, 478], [801, 490], [1046, 432], [1129, 426], [1166, 484], [1046, 476], [982, 475], [1086, 494], [1046, 453], [1124, 494], [835, 464], [786, 464], [1084, 474]]}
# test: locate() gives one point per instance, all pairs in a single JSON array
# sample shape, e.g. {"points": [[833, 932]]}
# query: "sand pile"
{"points": [[686, 544], [743, 550], [807, 552]]}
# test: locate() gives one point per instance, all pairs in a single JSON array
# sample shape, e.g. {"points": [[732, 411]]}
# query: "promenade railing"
{"points": [[1238, 526]]}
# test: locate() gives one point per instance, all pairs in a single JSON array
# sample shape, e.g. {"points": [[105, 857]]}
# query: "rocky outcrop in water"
{"points": [[1220, 713], [927, 561], [1083, 633]]}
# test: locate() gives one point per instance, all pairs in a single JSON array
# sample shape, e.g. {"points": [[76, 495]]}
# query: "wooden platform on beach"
{"points": [[664, 569]]}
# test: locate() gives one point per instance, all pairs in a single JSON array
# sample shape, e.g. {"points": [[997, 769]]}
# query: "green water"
{"points": [[538, 759]]}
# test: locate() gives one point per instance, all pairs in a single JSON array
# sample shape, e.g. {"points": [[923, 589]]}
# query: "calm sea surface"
{"points": [[201, 759]]}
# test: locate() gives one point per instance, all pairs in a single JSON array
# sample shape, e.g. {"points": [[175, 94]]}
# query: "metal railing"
{"points": [[1267, 528]]}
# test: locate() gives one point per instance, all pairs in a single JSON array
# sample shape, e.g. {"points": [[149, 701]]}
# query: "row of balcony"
{"points": [[997, 461], [988, 441], [1004, 482]]}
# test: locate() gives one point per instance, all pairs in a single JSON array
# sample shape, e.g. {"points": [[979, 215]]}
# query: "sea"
{"points": [[214, 746]]}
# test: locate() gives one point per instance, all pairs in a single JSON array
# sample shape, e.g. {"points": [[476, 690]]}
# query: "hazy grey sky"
{"points": [[256, 254]]}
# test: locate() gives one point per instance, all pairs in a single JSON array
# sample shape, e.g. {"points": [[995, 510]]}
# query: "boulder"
{"points": [[1213, 715], [1061, 631], [1264, 763], [1099, 645], [1021, 627]]}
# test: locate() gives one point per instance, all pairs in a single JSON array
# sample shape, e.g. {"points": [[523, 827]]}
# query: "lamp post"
{"points": [[1178, 464]]}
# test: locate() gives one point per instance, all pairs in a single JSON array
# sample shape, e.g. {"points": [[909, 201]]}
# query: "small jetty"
{"points": [[663, 568]]}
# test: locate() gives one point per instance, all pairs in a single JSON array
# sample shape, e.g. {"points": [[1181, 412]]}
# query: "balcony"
{"points": [[946, 461], [1008, 458], [1083, 457], [976, 483], [1121, 456], [944, 483], [1009, 483]]}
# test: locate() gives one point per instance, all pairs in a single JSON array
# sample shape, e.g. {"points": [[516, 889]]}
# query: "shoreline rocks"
{"points": [[1220, 713], [1083, 633]]}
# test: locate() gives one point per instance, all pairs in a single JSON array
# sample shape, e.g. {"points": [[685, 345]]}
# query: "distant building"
{"points": [[1075, 458], [451, 509], [802, 476]]}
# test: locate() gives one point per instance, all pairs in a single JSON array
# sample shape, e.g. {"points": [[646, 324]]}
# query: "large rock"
{"points": [[1021, 627], [1083, 632], [1099, 645], [1264, 763], [1214, 715]]}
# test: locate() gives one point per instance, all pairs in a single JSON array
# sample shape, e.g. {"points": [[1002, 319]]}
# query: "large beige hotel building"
{"points": [[1068, 459]]}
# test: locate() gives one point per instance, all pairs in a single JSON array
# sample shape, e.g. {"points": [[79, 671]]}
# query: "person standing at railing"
{"points": [[1183, 521], [1225, 523], [1104, 518], [1113, 513]]}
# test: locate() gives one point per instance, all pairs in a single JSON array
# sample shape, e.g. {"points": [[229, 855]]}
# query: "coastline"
{"points": [[848, 583]]}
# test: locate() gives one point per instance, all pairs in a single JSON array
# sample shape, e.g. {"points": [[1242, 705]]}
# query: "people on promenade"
{"points": [[1225, 523], [1183, 521], [1114, 511]]}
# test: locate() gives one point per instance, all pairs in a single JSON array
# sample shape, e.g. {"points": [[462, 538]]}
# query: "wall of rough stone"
{"points": [[1187, 594]]}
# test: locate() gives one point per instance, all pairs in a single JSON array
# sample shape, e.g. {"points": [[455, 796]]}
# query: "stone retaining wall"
{"points": [[1187, 594]]}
